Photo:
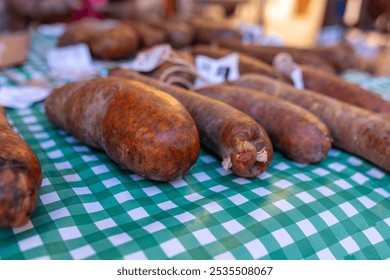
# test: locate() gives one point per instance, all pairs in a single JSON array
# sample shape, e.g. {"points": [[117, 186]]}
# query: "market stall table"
{"points": [[89, 208]]}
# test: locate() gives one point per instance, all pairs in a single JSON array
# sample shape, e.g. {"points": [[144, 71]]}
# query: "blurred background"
{"points": [[365, 24]]}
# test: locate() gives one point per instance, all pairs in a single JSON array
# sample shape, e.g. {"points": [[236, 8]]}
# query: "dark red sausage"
{"points": [[294, 131], [354, 130], [20, 177], [267, 54], [336, 87], [145, 130], [239, 140]]}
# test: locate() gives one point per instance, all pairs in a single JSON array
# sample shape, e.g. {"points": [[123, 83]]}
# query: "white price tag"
{"points": [[217, 71], [251, 33], [20, 97], [71, 62], [55, 30], [254, 34], [150, 59]]}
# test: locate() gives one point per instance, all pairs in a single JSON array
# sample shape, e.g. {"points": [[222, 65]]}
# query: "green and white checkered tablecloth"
{"points": [[88, 208]]}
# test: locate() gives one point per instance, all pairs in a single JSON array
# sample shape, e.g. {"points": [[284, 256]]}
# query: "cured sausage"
{"points": [[267, 54], [354, 129], [239, 140], [294, 131], [107, 39], [145, 130], [334, 86], [20, 177]]}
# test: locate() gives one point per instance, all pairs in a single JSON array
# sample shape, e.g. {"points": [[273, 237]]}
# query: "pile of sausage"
{"points": [[156, 129]]}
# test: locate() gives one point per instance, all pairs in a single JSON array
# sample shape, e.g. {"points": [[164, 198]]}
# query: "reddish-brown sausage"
{"points": [[239, 140], [145, 130], [179, 34], [207, 31], [107, 39], [294, 131], [354, 130], [336, 87], [342, 56], [149, 36], [20, 177], [267, 54]]}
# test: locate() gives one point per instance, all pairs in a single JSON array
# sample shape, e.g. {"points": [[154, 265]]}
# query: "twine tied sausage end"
{"points": [[227, 163], [262, 155]]}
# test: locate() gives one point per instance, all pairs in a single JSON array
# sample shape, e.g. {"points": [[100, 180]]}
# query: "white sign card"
{"points": [[20, 97], [254, 34], [71, 62], [217, 71]]}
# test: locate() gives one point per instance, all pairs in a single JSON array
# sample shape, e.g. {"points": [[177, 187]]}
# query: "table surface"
{"points": [[89, 208]]}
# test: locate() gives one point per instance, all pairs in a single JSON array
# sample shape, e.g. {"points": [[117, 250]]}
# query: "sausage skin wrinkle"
{"points": [[145, 130], [20, 177], [239, 140]]}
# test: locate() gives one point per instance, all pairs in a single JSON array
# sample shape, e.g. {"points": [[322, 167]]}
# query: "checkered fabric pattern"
{"points": [[89, 208]]}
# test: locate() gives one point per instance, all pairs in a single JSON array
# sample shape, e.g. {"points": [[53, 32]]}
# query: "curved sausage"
{"points": [[20, 177], [206, 30], [107, 39], [294, 131], [354, 130], [145, 130], [334, 86], [239, 140], [267, 54]]}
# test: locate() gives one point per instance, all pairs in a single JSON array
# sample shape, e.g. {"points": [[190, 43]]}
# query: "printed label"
{"points": [[216, 71], [251, 33]]}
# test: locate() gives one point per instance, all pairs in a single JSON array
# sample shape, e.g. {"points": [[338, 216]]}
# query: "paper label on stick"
{"points": [[150, 59], [20, 97], [284, 64], [71, 62], [297, 78], [216, 71]]}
